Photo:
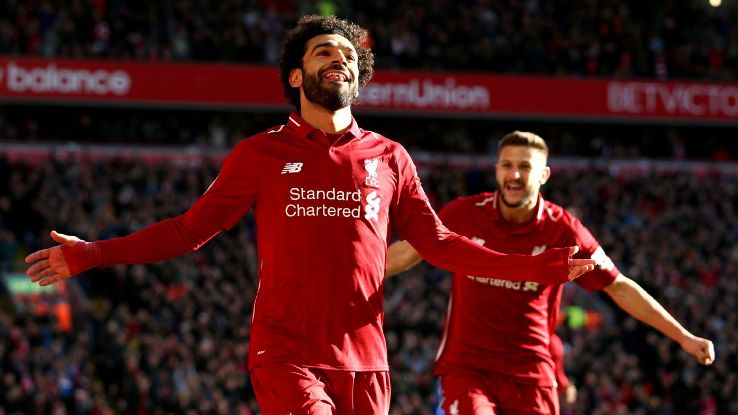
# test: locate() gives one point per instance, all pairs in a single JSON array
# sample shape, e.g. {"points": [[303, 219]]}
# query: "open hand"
{"points": [[577, 267], [48, 266]]}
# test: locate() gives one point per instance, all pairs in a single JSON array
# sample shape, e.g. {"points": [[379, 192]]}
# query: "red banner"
{"points": [[242, 86], [140, 83]]}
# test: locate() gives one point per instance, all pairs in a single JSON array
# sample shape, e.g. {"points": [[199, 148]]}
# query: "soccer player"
{"points": [[494, 356], [324, 194]]}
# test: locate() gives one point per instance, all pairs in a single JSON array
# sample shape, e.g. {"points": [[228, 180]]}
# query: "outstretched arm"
{"points": [[227, 199], [632, 298], [401, 256], [156, 242]]}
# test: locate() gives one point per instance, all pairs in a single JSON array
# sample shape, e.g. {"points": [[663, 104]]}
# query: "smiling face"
{"points": [[329, 73], [520, 173]]}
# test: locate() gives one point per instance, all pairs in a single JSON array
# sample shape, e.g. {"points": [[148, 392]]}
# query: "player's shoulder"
{"points": [[480, 200], [477, 201], [276, 132], [395, 152], [561, 217], [377, 137], [374, 138], [258, 140], [556, 212]]}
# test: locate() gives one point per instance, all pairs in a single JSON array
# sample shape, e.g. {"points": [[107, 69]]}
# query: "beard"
{"points": [[524, 199], [329, 95]]}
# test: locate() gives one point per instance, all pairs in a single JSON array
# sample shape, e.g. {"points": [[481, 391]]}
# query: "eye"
{"points": [[323, 52], [350, 58]]}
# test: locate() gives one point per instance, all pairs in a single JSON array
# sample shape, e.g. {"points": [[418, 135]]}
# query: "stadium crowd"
{"points": [[173, 337], [621, 38], [221, 130]]}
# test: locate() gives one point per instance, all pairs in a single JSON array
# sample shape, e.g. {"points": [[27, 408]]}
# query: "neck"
{"points": [[329, 121], [517, 214]]}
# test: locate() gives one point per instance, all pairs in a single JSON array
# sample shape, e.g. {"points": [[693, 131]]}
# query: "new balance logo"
{"points": [[292, 168]]}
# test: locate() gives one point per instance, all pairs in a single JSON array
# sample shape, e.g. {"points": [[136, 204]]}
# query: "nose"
{"points": [[516, 174], [340, 57]]}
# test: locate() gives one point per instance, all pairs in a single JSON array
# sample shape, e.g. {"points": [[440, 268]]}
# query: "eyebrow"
{"points": [[334, 44]]}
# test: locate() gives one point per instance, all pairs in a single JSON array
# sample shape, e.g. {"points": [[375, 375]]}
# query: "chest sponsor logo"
{"points": [[294, 167], [333, 202], [507, 284], [510, 285], [323, 202]]}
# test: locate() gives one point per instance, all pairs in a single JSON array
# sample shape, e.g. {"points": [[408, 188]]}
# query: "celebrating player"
{"points": [[324, 194], [494, 357]]}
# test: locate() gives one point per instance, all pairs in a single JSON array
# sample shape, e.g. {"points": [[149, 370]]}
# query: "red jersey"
{"points": [[322, 215], [503, 326]]}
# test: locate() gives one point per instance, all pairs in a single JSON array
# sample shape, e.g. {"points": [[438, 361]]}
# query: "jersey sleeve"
{"points": [[451, 213], [605, 272], [415, 221], [222, 205]]}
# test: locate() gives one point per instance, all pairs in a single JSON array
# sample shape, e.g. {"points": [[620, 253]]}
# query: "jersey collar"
{"points": [[497, 215], [304, 130]]}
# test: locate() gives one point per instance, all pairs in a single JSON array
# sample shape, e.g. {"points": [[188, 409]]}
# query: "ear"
{"points": [[296, 78], [545, 175]]}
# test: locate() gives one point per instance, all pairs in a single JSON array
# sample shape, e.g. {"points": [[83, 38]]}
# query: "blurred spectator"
{"points": [[214, 129], [567, 37]]}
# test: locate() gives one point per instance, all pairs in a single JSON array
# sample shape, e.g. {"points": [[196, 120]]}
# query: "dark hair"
{"points": [[523, 139], [307, 28]]}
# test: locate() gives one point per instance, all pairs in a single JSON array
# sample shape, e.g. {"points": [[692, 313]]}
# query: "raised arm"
{"points": [[637, 302]]}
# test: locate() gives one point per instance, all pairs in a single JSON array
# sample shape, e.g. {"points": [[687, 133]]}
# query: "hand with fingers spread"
{"points": [[578, 267], [50, 265]]}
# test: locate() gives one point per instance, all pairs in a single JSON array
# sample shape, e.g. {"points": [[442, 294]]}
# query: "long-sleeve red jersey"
{"points": [[323, 213], [504, 326]]}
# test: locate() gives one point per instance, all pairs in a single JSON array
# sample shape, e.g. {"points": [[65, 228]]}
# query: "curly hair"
{"points": [[307, 28]]}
